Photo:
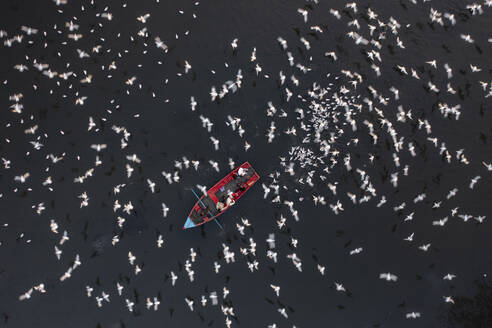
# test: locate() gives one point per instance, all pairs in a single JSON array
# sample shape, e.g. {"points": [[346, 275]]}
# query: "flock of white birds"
{"points": [[331, 121]]}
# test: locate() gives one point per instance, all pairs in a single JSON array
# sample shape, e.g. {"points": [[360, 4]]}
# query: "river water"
{"points": [[164, 128]]}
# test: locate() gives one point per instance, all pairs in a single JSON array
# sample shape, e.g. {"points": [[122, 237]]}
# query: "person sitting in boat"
{"points": [[241, 172], [242, 187], [230, 200], [220, 206]]}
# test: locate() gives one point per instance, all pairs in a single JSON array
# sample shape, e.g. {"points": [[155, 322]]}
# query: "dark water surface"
{"points": [[166, 131]]}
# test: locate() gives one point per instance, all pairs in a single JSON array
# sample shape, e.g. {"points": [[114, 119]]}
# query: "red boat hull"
{"points": [[232, 185]]}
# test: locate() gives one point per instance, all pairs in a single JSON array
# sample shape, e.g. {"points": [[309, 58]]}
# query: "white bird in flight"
{"points": [[388, 276]]}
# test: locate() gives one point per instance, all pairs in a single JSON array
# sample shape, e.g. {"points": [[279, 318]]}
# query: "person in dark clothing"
{"points": [[242, 187]]}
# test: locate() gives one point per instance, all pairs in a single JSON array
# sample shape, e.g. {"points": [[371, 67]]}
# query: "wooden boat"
{"points": [[222, 196]]}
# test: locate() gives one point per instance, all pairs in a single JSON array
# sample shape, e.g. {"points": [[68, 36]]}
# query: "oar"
{"points": [[216, 221], [199, 199]]}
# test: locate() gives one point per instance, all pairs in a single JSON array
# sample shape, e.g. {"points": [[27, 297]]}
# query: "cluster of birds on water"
{"points": [[331, 122]]}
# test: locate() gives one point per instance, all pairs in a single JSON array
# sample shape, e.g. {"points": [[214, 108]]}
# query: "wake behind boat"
{"points": [[222, 196]]}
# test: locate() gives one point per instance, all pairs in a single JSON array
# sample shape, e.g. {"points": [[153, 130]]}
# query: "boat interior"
{"points": [[220, 192]]}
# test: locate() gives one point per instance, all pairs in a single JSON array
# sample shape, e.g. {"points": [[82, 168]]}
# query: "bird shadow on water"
{"points": [[99, 243], [137, 223], [471, 312], [211, 229]]}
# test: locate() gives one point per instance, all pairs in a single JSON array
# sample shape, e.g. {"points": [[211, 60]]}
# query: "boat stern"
{"points": [[188, 224]]}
